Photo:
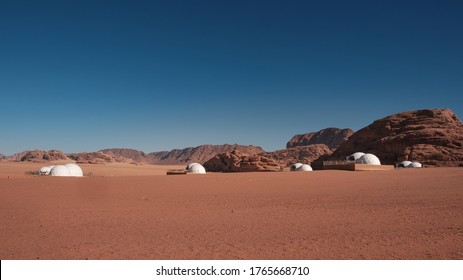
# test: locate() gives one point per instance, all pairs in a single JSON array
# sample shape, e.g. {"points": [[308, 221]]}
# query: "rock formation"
{"points": [[177, 156], [135, 155], [198, 154], [332, 137], [302, 154], [432, 137], [237, 161], [93, 157], [40, 156]]}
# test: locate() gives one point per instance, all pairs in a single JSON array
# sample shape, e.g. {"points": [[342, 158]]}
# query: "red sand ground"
{"points": [[401, 214]]}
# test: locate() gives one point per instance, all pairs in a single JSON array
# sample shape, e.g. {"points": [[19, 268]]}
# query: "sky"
{"points": [[156, 75]]}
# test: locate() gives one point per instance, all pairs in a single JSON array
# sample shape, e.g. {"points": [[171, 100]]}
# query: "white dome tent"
{"points": [[305, 167], [74, 170], [415, 164], [369, 159], [355, 156], [196, 168], [68, 170], [404, 163], [60, 170], [189, 166], [45, 170], [295, 166]]}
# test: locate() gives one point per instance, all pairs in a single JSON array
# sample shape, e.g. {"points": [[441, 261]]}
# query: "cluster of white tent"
{"points": [[300, 167], [409, 164], [362, 158], [68, 169], [72, 169], [196, 168]]}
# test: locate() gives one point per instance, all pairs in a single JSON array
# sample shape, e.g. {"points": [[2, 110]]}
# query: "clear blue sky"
{"points": [[157, 75]]}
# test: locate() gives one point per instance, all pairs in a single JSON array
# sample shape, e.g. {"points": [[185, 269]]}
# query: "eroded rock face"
{"points": [[39, 156], [302, 154], [432, 137], [92, 158], [237, 161], [331, 137], [135, 155], [199, 154]]}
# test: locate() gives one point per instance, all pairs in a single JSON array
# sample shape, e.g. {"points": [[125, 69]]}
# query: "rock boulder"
{"points": [[237, 161]]}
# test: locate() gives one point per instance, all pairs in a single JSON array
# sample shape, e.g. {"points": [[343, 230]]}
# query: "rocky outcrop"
{"points": [[237, 161], [331, 137], [198, 154], [433, 137], [302, 154], [40, 156], [92, 158], [135, 155]]}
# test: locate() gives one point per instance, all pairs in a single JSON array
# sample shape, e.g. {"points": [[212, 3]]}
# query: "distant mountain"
{"points": [[17, 156], [433, 137], [199, 154], [331, 137], [38, 156], [302, 154], [308, 147], [177, 156], [135, 155], [96, 157]]}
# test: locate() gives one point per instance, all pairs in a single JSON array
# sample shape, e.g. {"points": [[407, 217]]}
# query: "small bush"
{"points": [[35, 172]]}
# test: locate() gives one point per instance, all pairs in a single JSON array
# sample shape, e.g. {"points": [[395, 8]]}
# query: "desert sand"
{"points": [[9, 169], [135, 212]]}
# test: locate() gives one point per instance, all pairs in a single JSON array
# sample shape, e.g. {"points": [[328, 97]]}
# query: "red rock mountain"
{"points": [[135, 155], [433, 137], [94, 158], [199, 154], [302, 154], [177, 156], [332, 137]]}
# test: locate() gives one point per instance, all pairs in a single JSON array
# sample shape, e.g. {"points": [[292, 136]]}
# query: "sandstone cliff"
{"points": [[331, 137], [433, 137], [199, 154], [302, 154]]}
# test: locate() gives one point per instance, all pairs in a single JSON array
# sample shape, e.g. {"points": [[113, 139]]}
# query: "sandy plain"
{"points": [[135, 212]]}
